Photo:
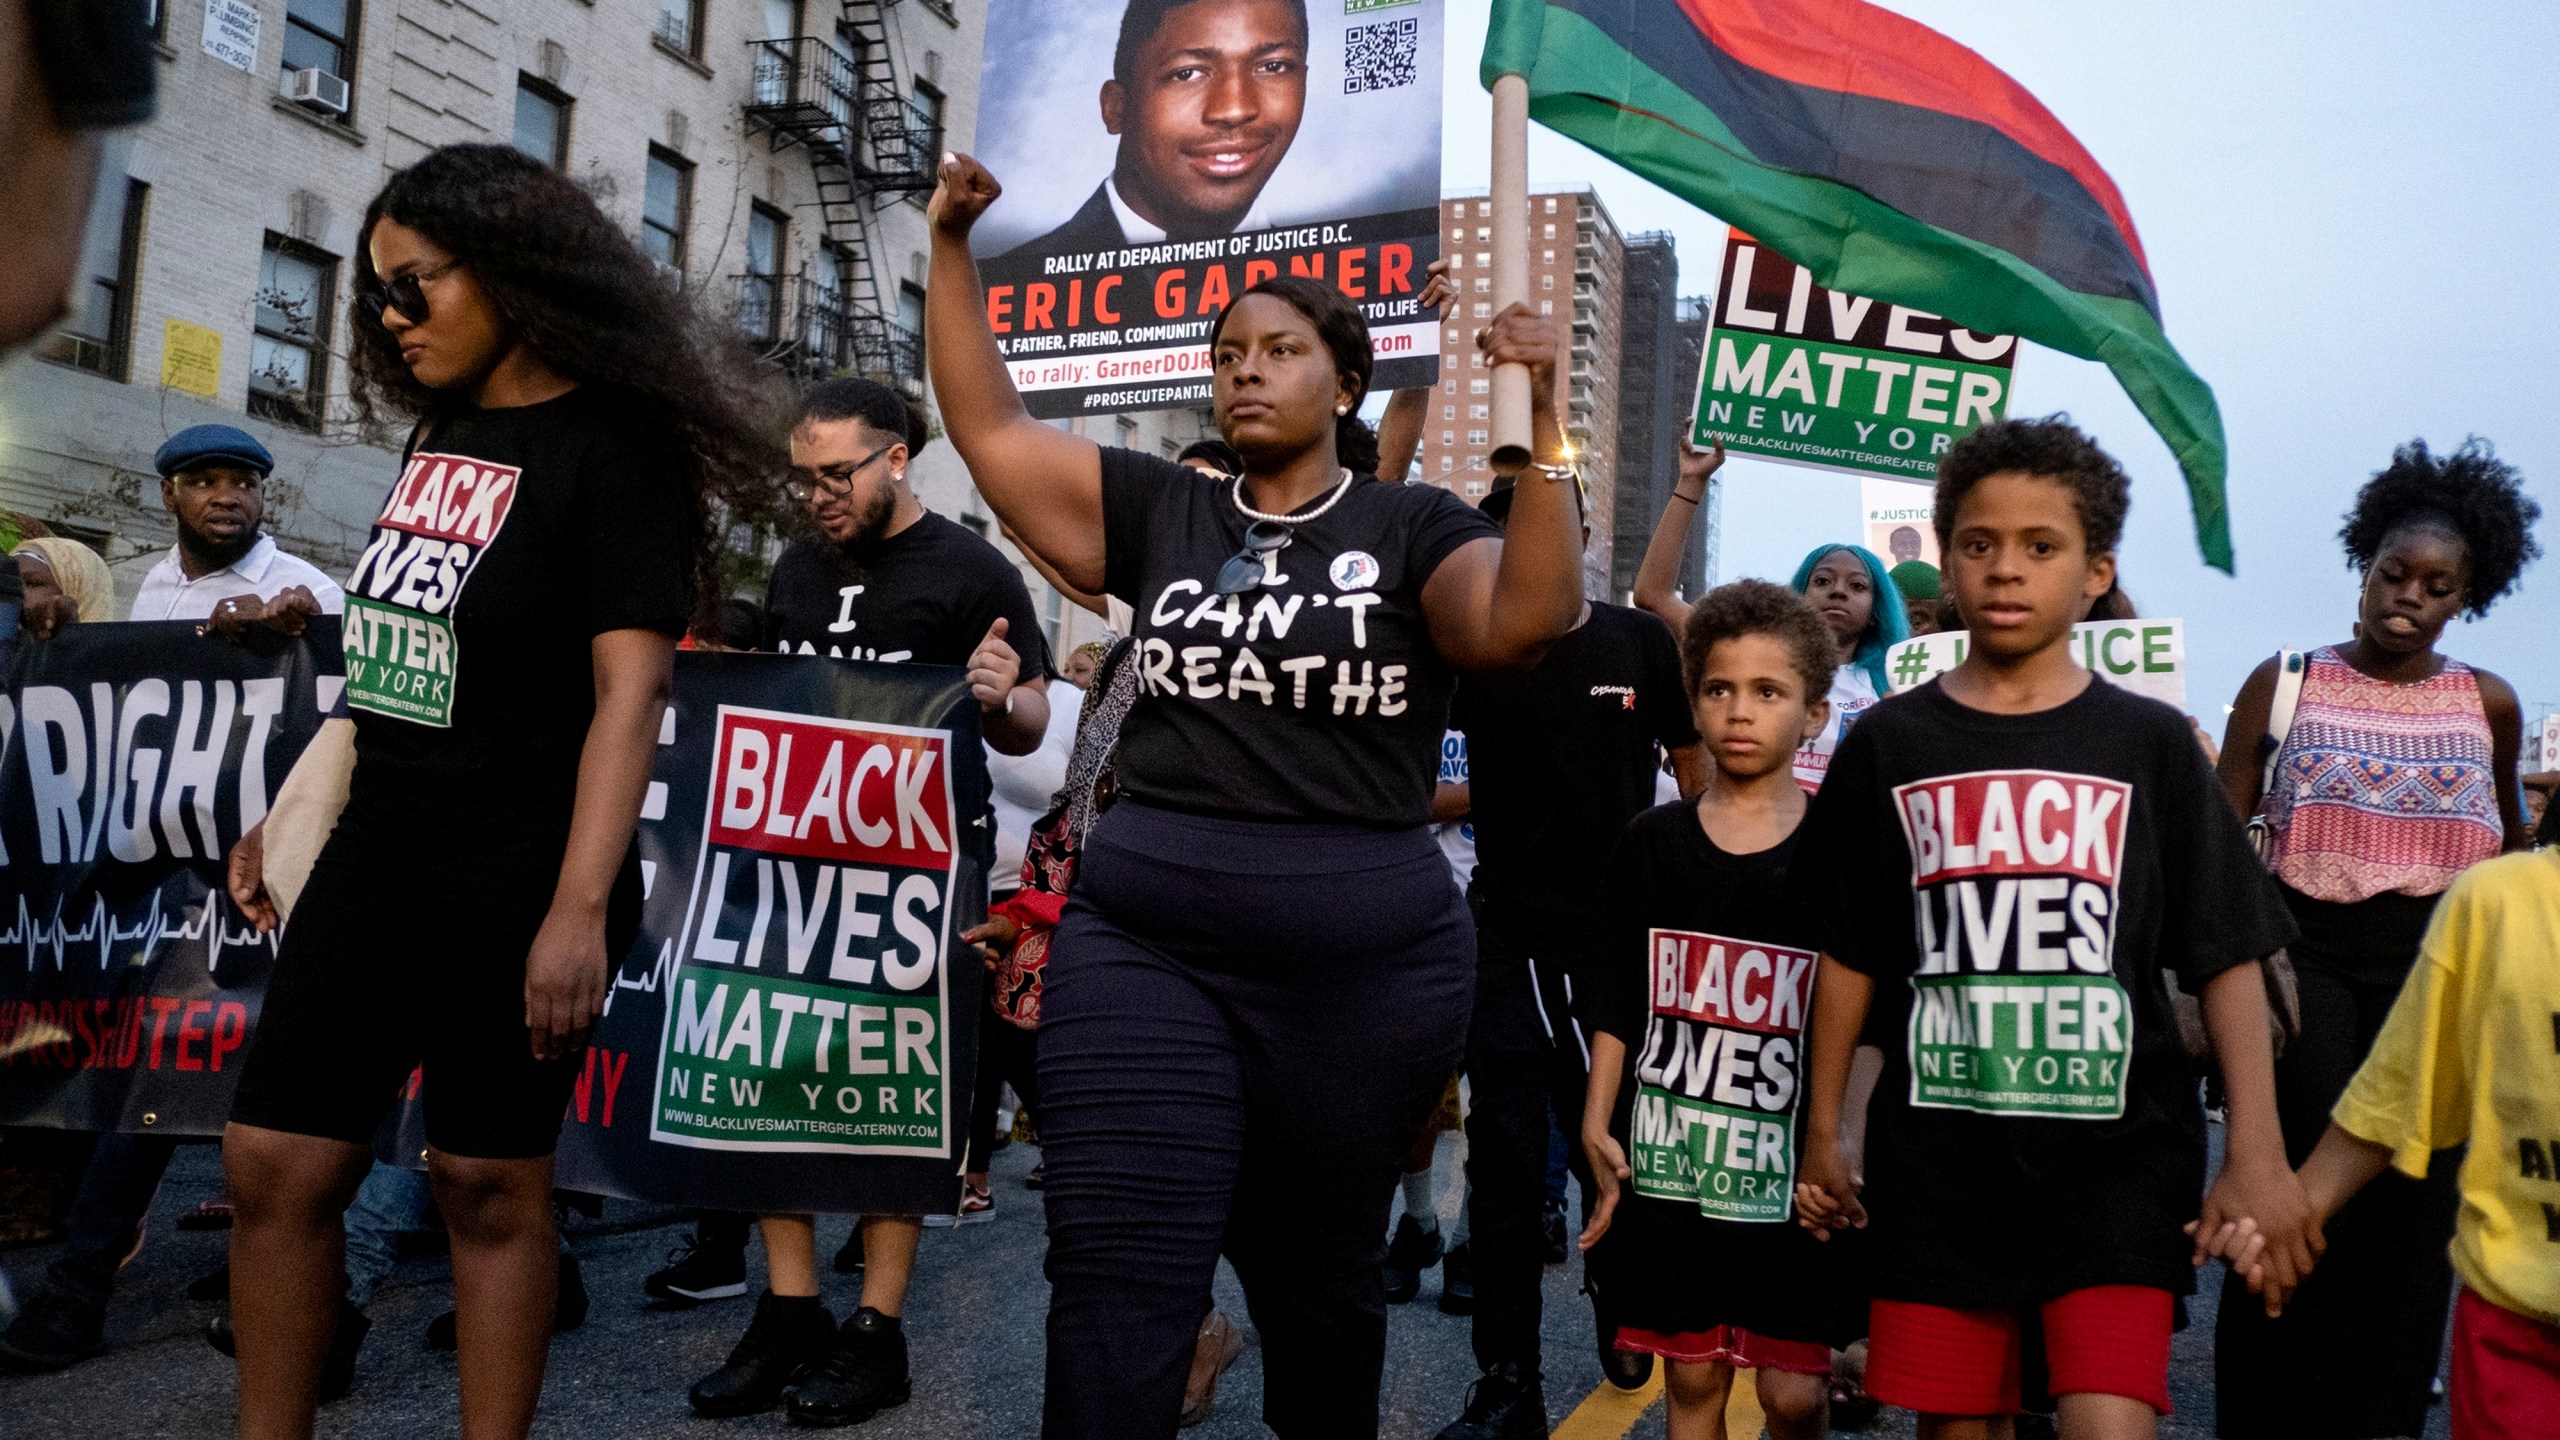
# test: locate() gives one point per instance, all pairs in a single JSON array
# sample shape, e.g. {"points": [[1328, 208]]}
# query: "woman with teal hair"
{"points": [[1854, 591]]}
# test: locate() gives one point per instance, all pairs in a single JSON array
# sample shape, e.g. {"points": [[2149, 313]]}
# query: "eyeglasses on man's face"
{"points": [[804, 485]]}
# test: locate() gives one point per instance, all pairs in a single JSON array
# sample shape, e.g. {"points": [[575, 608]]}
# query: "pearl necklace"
{"points": [[1341, 488]]}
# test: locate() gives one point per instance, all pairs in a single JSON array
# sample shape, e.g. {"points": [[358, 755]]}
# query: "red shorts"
{"points": [[2105, 1340], [2506, 1373], [1730, 1345]]}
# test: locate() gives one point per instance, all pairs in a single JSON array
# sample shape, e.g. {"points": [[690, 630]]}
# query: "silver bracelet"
{"points": [[1559, 473]]}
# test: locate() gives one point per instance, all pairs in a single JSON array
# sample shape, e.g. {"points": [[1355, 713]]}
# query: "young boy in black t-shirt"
{"points": [[2022, 849], [1697, 1012]]}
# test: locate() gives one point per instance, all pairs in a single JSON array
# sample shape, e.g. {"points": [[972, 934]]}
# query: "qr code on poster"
{"points": [[1380, 56]]}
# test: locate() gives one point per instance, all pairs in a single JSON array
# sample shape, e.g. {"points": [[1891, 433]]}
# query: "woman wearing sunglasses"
{"points": [[509, 634], [1261, 983]]}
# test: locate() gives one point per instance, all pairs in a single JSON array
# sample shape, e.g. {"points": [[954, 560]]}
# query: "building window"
{"points": [[760, 289], [97, 334], [1549, 257], [1484, 234], [1551, 230], [924, 118], [155, 14], [1449, 437], [1128, 433], [1484, 310], [289, 354], [1483, 259], [1546, 307], [1551, 204], [908, 343], [1479, 412], [1546, 282], [1484, 284], [1480, 387], [1448, 463], [1475, 487], [1448, 412], [542, 122], [1476, 361], [666, 207], [680, 25], [1484, 207], [320, 35], [1476, 437]]}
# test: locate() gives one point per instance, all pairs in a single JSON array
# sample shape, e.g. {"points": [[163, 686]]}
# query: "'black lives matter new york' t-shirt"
{"points": [[1315, 696], [924, 596], [1706, 975], [2016, 884], [1561, 756], [513, 538]]}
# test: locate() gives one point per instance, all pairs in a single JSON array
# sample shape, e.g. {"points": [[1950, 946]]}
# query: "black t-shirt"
{"points": [[513, 538], [1706, 975], [2016, 884], [1561, 756], [924, 596], [1319, 697]]}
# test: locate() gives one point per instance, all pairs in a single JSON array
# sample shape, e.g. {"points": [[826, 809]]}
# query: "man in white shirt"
{"points": [[213, 479]]}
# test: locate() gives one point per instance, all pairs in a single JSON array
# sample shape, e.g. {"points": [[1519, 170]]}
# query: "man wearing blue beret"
{"points": [[213, 479]]}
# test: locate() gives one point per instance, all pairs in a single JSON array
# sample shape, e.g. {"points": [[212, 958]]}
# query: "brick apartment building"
{"points": [[1576, 268], [776, 154]]}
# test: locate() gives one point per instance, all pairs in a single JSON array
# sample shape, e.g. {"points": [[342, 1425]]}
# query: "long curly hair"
{"points": [[577, 290], [2471, 492]]}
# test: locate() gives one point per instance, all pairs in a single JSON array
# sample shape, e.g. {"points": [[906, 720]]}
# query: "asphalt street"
{"points": [[974, 1325]]}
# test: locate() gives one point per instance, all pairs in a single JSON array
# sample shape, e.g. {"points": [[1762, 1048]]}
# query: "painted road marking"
{"points": [[1609, 1412]]}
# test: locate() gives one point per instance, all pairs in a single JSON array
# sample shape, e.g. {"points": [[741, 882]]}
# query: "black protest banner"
{"points": [[131, 756], [793, 1031]]}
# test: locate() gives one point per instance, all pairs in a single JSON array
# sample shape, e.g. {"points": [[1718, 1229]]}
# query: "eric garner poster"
{"points": [[794, 1000], [1158, 157], [131, 757], [1811, 376]]}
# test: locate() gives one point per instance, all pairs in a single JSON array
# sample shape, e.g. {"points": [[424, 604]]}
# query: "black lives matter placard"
{"points": [[131, 757], [1160, 160], [791, 1032]]}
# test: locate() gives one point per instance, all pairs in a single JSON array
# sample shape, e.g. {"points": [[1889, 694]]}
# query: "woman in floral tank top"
{"points": [[2398, 772]]}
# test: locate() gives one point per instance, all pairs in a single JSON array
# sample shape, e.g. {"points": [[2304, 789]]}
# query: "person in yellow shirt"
{"points": [[2471, 1052]]}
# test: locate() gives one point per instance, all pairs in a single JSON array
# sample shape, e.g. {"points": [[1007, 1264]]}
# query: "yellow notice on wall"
{"points": [[191, 358]]}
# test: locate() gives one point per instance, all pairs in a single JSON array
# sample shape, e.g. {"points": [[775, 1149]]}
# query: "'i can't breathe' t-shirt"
{"points": [[513, 538], [2016, 885], [1317, 695]]}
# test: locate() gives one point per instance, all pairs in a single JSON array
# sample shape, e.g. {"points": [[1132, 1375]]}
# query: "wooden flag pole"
{"points": [[1511, 432]]}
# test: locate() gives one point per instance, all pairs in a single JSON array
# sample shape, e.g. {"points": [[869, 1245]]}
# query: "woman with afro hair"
{"points": [[575, 426], [2397, 771]]}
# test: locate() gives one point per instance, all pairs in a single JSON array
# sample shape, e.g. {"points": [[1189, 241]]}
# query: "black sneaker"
{"points": [[862, 1374], [567, 1313], [697, 1272], [849, 1255], [337, 1368], [51, 1334], [1458, 1281], [1559, 1243], [1507, 1404], [1413, 1251], [782, 1343], [1625, 1369]]}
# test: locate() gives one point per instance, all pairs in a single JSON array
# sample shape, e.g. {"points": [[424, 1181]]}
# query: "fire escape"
{"points": [[839, 99]]}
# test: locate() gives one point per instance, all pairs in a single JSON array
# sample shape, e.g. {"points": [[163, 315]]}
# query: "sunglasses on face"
{"points": [[406, 294], [1263, 542], [806, 485]]}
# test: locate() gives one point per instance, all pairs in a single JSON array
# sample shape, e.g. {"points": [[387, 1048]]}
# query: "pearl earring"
{"points": [[1341, 409]]}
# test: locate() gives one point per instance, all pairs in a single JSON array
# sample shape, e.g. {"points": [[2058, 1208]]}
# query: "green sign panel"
{"points": [[1798, 373]]}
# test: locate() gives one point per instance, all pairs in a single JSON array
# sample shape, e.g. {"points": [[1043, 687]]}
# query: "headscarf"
{"points": [[1887, 625], [79, 572]]}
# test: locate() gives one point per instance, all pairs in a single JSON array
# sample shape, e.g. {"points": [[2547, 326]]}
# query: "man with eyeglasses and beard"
{"points": [[889, 581]]}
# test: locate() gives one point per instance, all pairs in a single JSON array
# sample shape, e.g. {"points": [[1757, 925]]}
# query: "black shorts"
{"points": [[408, 954]]}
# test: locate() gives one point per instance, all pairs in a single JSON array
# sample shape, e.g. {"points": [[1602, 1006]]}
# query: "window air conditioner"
{"points": [[316, 90]]}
